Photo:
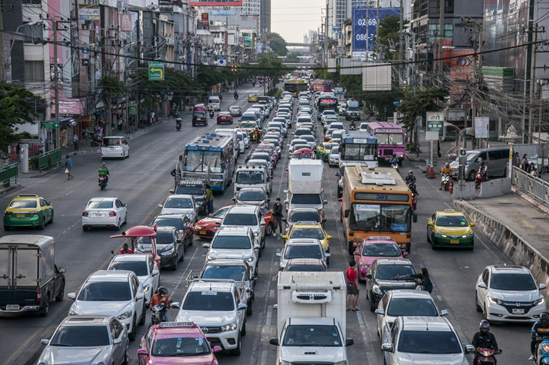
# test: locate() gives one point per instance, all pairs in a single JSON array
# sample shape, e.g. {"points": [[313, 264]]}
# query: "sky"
{"points": [[293, 18]]}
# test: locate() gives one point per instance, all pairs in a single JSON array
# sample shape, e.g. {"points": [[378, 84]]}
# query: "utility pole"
{"points": [[377, 21], [441, 39], [56, 81], [477, 75], [3, 57], [400, 47], [326, 34], [534, 29]]}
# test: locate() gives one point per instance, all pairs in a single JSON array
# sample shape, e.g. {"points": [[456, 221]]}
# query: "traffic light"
{"points": [[234, 68]]}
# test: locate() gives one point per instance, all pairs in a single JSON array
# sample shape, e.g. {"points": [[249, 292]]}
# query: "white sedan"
{"points": [[180, 204], [104, 212], [143, 266]]}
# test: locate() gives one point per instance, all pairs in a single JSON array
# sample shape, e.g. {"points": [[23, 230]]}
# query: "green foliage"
{"points": [[293, 57], [277, 93], [389, 37], [418, 104], [277, 43], [16, 107], [270, 65], [112, 88]]}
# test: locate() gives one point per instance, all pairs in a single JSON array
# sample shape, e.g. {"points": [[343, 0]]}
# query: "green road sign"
{"points": [[133, 108], [156, 71], [50, 125]]}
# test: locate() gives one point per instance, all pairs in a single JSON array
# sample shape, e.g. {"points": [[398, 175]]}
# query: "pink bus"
{"points": [[390, 140]]}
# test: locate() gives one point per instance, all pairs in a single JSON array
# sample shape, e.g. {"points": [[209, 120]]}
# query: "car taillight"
{"points": [[84, 214], [8, 213], [38, 295], [33, 213], [112, 214]]}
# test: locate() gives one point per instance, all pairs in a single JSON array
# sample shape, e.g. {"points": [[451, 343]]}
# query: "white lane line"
{"points": [[439, 297], [266, 333], [271, 293], [368, 341]]}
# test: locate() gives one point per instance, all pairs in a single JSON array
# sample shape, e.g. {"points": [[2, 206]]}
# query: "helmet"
{"points": [[447, 164], [544, 318], [103, 165], [162, 290], [484, 325], [410, 172]]}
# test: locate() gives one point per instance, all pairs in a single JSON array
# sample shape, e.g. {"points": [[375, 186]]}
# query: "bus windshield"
{"points": [[380, 217], [358, 151], [390, 138], [199, 161]]}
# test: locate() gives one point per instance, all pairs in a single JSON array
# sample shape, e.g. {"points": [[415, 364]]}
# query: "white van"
{"points": [[215, 103], [115, 147]]}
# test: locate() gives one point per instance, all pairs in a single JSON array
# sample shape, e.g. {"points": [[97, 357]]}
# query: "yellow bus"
{"points": [[296, 86], [376, 202]]}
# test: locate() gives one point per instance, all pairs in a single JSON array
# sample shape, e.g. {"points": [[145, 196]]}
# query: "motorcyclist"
{"points": [[482, 170], [178, 122], [235, 94], [104, 171], [394, 160], [177, 115], [446, 170], [161, 297], [483, 339], [256, 134], [539, 329], [352, 125], [410, 178]]}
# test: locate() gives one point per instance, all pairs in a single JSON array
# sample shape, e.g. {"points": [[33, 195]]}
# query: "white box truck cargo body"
{"points": [[305, 176]]}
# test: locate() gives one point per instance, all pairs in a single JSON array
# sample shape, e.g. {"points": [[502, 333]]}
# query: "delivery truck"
{"points": [[305, 185], [29, 278], [311, 318]]}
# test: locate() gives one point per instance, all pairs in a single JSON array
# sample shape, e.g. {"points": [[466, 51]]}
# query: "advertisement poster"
{"points": [[461, 70], [372, 18], [126, 22], [205, 19], [89, 12], [359, 31]]}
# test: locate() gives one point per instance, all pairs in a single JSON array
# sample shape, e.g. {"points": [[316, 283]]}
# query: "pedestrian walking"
{"points": [[516, 159], [209, 198], [132, 125], [524, 162], [68, 167], [351, 278], [277, 215], [18, 151], [75, 141], [120, 123], [85, 135]]}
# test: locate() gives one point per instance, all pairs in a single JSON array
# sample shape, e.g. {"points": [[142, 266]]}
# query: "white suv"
{"points": [[302, 248], [219, 309], [143, 266], [247, 216], [234, 243], [509, 294], [113, 293]]}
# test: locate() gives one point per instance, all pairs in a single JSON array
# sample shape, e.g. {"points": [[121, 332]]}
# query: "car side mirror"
{"points": [[242, 306], [444, 312], [482, 285], [387, 347], [274, 341], [117, 341], [285, 237], [368, 276], [71, 296], [284, 220], [139, 296], [542, 286], [380, 312], [278, 254], [405, 254], [347, 213], [233, 199], [257, 246], [356, 253], [328, 237], [349, 342], [62, 270], [175, 305], [469, 349], [430, 224], [172, 191], [44, 341], [205, 245], [325, 202], [217, 349], [160, 205], [155, 272], [142, 352], [472, 224]]}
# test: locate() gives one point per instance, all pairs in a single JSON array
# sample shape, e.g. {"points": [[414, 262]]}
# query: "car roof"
{"points": [[423, 323], [226, 262], [26, 197], [180, 216], [302, 242], [110, 275], [305, 261], [410, 294], [393, 262], [187, 196], [450, 212], [243, 209], [199, 285], [233, 231], [86, 320], [325, 321], [509, 269], [251, 189], [132, 258], [378, 239], [102, 199], [307, 225]]}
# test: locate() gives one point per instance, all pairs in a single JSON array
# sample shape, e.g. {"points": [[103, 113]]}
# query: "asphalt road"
{"points": [[143, 182]]}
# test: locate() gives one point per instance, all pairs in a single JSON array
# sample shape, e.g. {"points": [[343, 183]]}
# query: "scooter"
{"points": [[446, 181], [394, 165], [178, 122], [102, 182], [542, 352], [235, 96], [486, 357], [212, 114], [157, 310]]}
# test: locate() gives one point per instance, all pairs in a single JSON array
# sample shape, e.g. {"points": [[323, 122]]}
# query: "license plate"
{"points": [[454, 241], [12, 307], [518, 311], [98, 215], [202, 232], [20, 216]]}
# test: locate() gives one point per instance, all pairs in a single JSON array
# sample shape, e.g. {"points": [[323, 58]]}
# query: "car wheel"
{"points": [[46, 309], [249, 310], [60, 296], [84, 228], [51, 219], [372, 307], [133, 334], [42, 224], [126, 359], [238, 350], [117, 227], [6, 228], [479, 308], [269, 230], [243, 331], [143, 314], [125, 218]]}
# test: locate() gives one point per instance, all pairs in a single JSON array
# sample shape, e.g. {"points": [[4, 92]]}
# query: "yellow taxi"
{"points": [[309, 230], [248, 126], [449, 228], [252, 98], [323, 150], [28, 210]]}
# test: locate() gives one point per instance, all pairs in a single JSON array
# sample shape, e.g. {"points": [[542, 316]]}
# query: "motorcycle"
{"points": [[102, 182], [352, 126], [394, 165], [212, 114], [446, 181], [178, 122], [486, 356], [478, 180], [235, 96], [158, 310], [412, 187], [542, 350]]}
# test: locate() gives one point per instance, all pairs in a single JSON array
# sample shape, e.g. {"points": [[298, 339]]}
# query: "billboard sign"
{"points": [[215, 3], [481, 127], [126, 23], [359, 31], [205, 19], [372, 22], [89, 12]]}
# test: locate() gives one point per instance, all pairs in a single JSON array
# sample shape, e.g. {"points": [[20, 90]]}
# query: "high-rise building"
{"points": [[251, 7], [265, 16]]}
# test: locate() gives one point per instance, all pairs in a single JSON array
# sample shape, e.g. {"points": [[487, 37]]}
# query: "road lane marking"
{"points": [[527, 224], [367, 339]]}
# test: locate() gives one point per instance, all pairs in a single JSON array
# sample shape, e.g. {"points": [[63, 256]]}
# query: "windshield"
{"points": [[105, 292], [315, 199], [335, 151], [178, 203], [232, 243], [235, 273], [303, 252], [220, 213], [163, 237], [250, 177], [100, 205], [311, 216], [423, 342], [412, 307], [512, 282], [315, 233], [381, 250], [251, 196], [390, 138], [358, 151], [452, 221], [23, 204], [390, 272], [85, 336], [198, 161], [248, 125], [199, 114], [303, 132], [470, 156], [138, 267], [208, 301], [189, 190], [235, 219], [180, 346], [261, 156], [312, 335], [380, 218]]}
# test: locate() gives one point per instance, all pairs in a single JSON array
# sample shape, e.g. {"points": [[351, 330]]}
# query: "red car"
{"points": [[207, 227], [224, 117], [303, 153]]}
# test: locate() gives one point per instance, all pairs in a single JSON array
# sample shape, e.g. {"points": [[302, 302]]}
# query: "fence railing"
{"points": [[49, 159], [530, 185], [9, 173]]}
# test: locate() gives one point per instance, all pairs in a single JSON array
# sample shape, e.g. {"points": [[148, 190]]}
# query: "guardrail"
{"points": [[534, 187], [9, 172], [49, 159]]}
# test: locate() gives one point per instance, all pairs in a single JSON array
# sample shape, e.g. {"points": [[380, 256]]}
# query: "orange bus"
{"points": [[376, 202]]}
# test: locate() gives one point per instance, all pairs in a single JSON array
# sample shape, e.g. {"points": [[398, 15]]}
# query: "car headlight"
{"points": [[364, 266], [125, 315], [198, 227], [376, 289], [468, 235], [167, 252], [495, 300], [72, 313], [250, 259], [540, 301], [440, 235], [229, 327], [146, 288]]}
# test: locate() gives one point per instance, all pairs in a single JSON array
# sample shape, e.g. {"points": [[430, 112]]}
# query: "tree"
{"points": [[277, 43], [418, 104], [389, 37], [270, 65], [112, 89], [17, 106], [293, 57]]}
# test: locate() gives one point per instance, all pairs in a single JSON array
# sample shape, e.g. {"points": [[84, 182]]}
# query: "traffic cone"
{"points": [[430, 172], [451, 187]]}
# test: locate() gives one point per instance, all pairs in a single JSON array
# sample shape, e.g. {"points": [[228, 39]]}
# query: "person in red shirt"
{"points": [[351, 278], [125, 249]]}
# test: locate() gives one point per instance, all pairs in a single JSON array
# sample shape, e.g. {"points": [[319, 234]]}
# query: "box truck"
{"points": [[305, 185]]}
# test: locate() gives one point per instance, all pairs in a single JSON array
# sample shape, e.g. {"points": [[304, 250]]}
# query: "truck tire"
{"points": [[60, 296], [238, 350], [133, 334], [46, 309]]}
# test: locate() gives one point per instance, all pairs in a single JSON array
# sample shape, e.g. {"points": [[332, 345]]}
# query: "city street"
{"points": [[143, 181]]}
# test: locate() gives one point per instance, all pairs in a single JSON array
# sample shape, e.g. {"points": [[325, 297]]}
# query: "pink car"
{"points": [[176, 343], [372, 248]]}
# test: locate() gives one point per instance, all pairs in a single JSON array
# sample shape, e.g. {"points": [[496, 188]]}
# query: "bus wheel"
{"points": [[351, 248], [409, 248]]}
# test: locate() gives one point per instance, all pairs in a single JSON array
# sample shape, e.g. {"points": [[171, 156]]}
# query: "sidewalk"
{"points": [[424, 155]]}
